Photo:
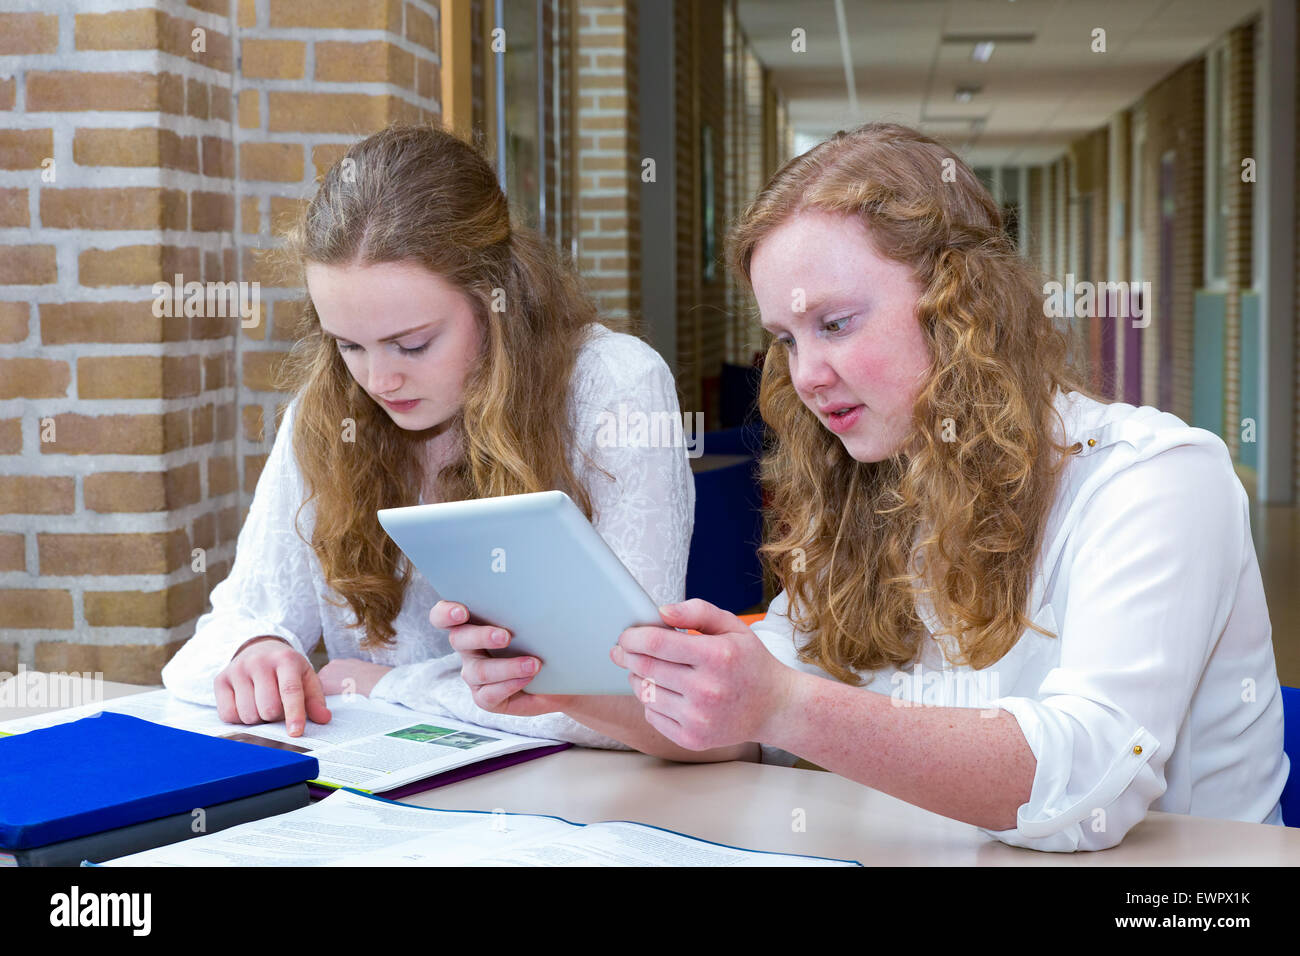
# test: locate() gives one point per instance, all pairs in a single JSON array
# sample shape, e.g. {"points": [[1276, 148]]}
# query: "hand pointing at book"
{"points": [[267, 681]]}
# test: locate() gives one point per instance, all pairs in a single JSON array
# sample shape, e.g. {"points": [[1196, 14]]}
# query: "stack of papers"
{"points": [[352, 829]]}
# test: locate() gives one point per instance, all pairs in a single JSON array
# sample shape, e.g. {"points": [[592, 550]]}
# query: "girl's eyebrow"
{"points": [[390, 338], [834, 299]]}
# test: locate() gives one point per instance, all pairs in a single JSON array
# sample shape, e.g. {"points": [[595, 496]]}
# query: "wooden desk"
{"points": [[754, 806]]}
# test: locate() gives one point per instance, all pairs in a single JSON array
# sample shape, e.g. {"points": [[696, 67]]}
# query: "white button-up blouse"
{"points": [[276, 585], [1160, 690]]}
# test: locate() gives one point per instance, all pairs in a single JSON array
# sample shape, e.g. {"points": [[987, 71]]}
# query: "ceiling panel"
{"points": [[1034, 97]]}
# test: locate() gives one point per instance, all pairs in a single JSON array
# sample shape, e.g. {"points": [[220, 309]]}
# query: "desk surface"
{"points": [[758, 807]]}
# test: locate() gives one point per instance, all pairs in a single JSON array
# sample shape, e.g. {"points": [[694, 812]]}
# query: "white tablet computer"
{"points": [[534, 565]]}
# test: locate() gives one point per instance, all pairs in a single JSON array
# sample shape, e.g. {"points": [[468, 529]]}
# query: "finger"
{"points": [[665, 725], [664, 673], [493, 696], [314, 697], [492, 670], [245, 704], [447, 614], [266, 694], [288, 677], [652, 696], [225, 700], [474, 637], [663, 643], [702, 616]]}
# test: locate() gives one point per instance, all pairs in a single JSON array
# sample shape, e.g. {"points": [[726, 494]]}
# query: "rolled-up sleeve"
{"points": [[1152, 557]]}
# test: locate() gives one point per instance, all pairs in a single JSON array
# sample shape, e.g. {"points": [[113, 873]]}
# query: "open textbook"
{"points": [[369, 745], [348, 829]]}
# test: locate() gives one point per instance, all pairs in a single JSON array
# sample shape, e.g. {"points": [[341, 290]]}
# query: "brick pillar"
{"points": [[116, 164], [1037, 213], [1119, 175], [1091, 161], [755, 149], [1295, 316], [739, 306], [755, 172], [1241, 197], [608, 157], [702, 99], [1175, 110]]}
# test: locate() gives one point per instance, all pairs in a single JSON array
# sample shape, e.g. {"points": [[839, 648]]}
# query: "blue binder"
{"points": [[112, 770]]}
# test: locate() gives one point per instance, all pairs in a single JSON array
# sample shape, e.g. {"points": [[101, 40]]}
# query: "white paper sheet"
{"points": [[348, 829]]}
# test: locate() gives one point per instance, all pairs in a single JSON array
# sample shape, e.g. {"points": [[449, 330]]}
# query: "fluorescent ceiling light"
{"points": [[982, 51]]}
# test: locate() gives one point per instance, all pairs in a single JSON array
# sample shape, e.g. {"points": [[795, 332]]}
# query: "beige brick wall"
{"points": [[133, 149], [114, 173], [316, 75]]}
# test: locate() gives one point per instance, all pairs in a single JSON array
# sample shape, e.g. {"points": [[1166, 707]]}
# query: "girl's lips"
{"points": [[401, 406], [842, 423]]}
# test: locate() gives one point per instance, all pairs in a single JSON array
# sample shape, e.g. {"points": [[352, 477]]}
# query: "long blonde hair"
{"points": [[958, 522], [416, 193]]}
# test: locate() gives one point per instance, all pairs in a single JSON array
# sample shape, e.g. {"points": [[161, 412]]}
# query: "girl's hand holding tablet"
{"points": [[496, 684], [718, 688]]}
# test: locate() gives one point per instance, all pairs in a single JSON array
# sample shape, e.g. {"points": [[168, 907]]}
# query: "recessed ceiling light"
{"points": [[965, 94], [982, 51]]}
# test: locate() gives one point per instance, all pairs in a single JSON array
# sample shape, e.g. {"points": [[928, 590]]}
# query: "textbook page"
{"points": [[348, 829], [368, 744]]}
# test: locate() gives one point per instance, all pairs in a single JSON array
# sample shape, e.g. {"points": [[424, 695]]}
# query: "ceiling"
{"points": [[1042, 88]]}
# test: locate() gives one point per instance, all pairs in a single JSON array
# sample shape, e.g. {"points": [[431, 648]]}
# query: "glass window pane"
{"points": [[523, 132]]}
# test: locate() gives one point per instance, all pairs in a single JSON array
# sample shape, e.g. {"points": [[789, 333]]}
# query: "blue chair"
{"points": [[723, 567], [738, 394], [1291, 746]]}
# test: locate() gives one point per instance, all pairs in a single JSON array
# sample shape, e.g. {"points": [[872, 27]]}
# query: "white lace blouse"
{"points": [[276, 586]]}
